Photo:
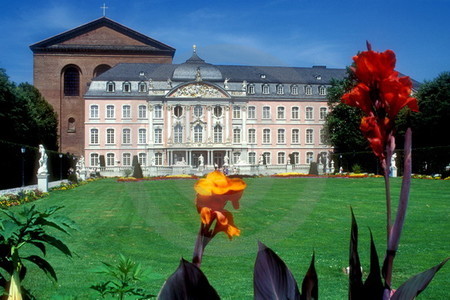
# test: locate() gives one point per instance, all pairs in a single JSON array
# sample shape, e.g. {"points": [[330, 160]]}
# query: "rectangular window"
{"points": [[309, 113], [110, 111], [252, 158], [266, 136], [158, 135], [323, 113], [142, 112], [280, 136], [158, 159], [178, 134], [94, 112], [142, 136], [280, 112], [309, 157], [94, 159], [94, 136], [266, 156], [157, 113], [126, 111], [236, 135], [281, 158], [236, 112], [296, 158], [309, 136], [295, 137], [110, 159], [266, 112], [252, 136], [251, 112], [110, 136], [142, 159], [217, 134], [126, 159], [126, 136], [295, 113]]}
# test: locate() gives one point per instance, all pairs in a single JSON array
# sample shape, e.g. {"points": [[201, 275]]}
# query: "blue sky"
{"points": [[298, 33]]}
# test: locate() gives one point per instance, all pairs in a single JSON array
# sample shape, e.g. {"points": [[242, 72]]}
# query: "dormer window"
{"points": [[308, 90], [110, 87], [263, 76], [251, 89], [294, 89], [142, 87], [280, 89], [265, 89], [322, 90], [126, 87]]}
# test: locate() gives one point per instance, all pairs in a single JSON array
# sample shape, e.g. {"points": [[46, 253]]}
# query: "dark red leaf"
{"points": [[373, 286], [355, 287], [271, 278], [310, 285], [416, 284], [187, 282]]}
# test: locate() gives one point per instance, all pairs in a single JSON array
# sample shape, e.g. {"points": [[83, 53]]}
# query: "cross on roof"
{"points": [[104, 7]]}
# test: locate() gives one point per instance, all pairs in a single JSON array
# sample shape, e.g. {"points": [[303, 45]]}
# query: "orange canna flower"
{"points": [[224, 222], [216, 189]]}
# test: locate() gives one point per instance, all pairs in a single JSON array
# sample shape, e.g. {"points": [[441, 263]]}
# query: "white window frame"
{"points": [[126, 159], [236, 112], [295, 136], [157, 111], [94, 136], [281, 158], [295, 113], [110, 159], [142, 136], [178, 134], [236, 135], [158, 135], [323, 111], [252, 158], [218, 134], [94, 111], [266, 136], [309, 157], [281, 136], [252, 136], [309, 113], [110, 111], [281, 113], [126, 87], [110, 136], [294, 89], [142, 111], [280, 89], [309, 136], [110, 87], [266, 113], [126, 136], [94, 159], [266, 89], [126, 111], [198, 133], [142, 158]]}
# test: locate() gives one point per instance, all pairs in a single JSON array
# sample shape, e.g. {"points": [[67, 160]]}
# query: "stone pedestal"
{"points": [[83, 174], [43, 182]]}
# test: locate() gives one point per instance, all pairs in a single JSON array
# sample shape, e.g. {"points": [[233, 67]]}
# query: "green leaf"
{"points": [[310, 285], [43, 265], [58, 244], [373, 286], [416, 284]]}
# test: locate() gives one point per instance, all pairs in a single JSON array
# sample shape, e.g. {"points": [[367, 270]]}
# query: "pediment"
{"points": [[198, 90]]}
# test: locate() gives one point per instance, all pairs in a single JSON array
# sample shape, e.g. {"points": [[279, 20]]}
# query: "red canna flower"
{"points": [[380, 94]]}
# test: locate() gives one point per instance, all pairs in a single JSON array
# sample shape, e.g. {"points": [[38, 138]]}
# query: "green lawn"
{"points": [[156, 223]]}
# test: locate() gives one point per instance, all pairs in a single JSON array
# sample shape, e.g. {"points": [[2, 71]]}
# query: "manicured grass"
{"points": [[155, 223]]}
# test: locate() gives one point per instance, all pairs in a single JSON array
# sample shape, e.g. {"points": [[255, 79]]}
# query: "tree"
{"points": [[342, 123], [25, 116], [430, 125]]}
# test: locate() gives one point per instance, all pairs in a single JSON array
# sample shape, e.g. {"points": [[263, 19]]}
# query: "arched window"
{"points": [[110, 87], [100, 69], [322, 90], [71, 125], [142, 87], [178, 134], [308, 90], [198, 133], [217, 134], [71, 81], [251, 89], [294, 89], [265, 89], [280, 89]]}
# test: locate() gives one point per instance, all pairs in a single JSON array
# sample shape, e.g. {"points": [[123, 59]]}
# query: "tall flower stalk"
{"points": [[380, 93], [213, 193]]}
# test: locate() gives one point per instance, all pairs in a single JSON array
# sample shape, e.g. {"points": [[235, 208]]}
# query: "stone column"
{"points": [[244, 125], [227, 123], [188, 119], [208, 123]]}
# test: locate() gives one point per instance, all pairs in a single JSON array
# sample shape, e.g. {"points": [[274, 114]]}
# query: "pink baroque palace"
{"points": [[194, 117]]}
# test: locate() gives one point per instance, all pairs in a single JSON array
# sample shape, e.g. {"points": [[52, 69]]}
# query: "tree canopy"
{"points": [[25, 116]]}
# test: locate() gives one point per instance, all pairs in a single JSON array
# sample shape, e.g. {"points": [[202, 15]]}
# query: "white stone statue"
{"points": [[226, 160], [393, 167], [42, 161], [261, 160], [82, 164], [201, 160], [225, 83], [153, 161]]}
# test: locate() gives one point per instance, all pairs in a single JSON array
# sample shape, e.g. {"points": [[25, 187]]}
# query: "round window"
{"points": [[217, 111], [178, 111]]}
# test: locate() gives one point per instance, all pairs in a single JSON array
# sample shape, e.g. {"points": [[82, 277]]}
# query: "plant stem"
{"points": [[386, 165]]}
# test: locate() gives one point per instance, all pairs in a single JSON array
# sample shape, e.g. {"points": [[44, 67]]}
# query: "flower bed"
{"points": [[132, 179], [25, 196]]}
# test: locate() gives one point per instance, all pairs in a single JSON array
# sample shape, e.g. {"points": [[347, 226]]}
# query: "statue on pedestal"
{"points": [[42, 161]]}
